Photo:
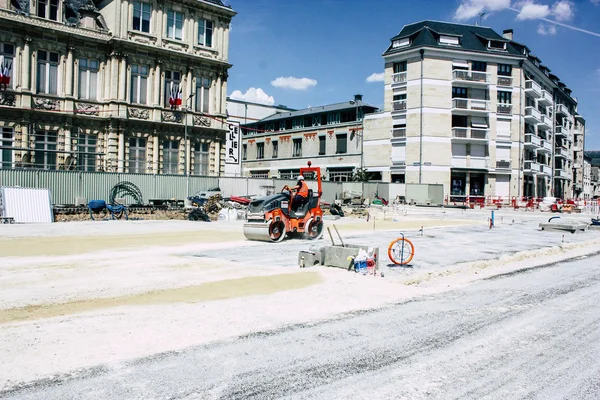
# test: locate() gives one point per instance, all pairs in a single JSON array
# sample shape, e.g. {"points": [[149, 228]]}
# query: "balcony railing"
{"points": [[533, 88], [399, 78], [561, 152], [533, 113], [561, 173], [469, 133], [546, 145], [532, 139], [561, 131], [470, 162], [531, 166], [471, 76], [504, 109], [546, 97], [399, 105], [505, 81], [545, 169], [399, 133], [502, 164], [471, 104], [562, 110], [545, 120]]}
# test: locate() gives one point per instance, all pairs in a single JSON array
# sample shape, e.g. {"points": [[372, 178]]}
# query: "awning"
{"points": [[460, 63], [479, 122]]}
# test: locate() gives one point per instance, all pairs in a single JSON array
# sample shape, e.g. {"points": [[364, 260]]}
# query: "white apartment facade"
{"points": [[474, 111], [91, 85]]}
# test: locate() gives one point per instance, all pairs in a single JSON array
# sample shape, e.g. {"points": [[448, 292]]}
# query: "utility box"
{"points": [[425, 194]]}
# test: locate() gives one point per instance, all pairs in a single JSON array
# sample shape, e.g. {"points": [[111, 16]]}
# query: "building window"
{"points": [[201, 158], [137, 155], [47, 72], [7, 54], [244, 151], [449, 40], [141, 16], [458, 92], [174, 25], [322, 145], [205, 32], [275, 149], [333, 118], [504, 97], [341, 144], [170, 156], [139, 84], [86, 147], [203, 94], [297, 148], [259, 174], [172, 88], [288, 173], [45, 149], [504, 70], [479, 66], [6, 147], [48, 9], [88, 79], [399, 67], [260, 151], [340, 174]]}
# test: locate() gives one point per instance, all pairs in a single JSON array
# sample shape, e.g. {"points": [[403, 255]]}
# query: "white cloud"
{"points": [[375, 77], [254, 95], [595, 2], [294, 83], [563, 10], [533, 11], [472, 8], [546, 29]]}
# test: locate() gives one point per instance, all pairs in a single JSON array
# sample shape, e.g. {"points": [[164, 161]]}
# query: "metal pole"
{"points": [[421, 121]]}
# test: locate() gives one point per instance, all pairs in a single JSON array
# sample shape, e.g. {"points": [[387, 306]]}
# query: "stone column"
{"points": [[68, 139], [155, 153], [217, 167], [69, 77], [123, 78], [121, 161], [26, 70], [112, 149], [156, 86], [114, 76], [225, 48], [218, 91]]}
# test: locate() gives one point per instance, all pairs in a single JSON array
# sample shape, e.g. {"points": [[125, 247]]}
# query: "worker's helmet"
{"points": [[300, 178]]}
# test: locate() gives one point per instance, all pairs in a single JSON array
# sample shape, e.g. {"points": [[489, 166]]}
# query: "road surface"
{"points": [[533, 334]]}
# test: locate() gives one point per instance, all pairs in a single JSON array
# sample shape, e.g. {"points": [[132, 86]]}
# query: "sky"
{"points": [[303, 53]]}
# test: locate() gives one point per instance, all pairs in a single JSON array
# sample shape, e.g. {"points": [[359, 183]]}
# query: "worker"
{"points": [[301, 190]]}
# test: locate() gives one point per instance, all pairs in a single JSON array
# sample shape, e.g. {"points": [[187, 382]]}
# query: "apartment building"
{"points": [[116, 85], [246, 112], [329, 136], [475, 111]]}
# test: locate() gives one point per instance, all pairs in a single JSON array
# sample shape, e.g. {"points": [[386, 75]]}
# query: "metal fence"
{"points": [[67, 186]]}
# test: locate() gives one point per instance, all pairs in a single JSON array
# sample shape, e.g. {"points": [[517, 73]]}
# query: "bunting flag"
{"points": [[5, 68], [175, 96]]}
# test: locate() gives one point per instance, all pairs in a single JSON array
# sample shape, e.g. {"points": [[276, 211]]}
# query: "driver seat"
{"points": [[301, 209]]}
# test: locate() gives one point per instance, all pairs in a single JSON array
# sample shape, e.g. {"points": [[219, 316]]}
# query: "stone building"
{"points": [[91, 85], [475, 111]]}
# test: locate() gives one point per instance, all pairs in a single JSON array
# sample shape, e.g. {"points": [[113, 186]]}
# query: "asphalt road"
{"points": [[533, 335]]}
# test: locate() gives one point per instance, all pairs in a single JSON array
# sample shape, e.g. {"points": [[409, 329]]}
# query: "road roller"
{"points": [[272, 218]]}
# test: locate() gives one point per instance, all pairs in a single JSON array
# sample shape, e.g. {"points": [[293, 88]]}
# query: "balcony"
{"points": [[470, 162], [505, 81], [399, 79], [561, 173], [532, 114], [399, 106], [577, 147], [577, 165], [398, 135], [546, 98], [545, 146], [561, 152], [545, 169], [531, 167], [532, 140], [471, 77], [470, 105], [561, 109], [561, 131], [503, 165], [475, 134], [504, 109], [533, 89], [545, 121]]}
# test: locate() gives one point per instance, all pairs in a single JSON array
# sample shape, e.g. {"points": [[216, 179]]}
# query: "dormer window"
{"points": [[496, 45], [401, 42], [449, 40]]}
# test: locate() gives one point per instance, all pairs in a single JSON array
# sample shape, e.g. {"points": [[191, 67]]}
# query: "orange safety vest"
{"points": [[303, 191]]}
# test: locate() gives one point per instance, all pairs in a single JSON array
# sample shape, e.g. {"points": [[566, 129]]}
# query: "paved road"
{"points": [[533, 335]]}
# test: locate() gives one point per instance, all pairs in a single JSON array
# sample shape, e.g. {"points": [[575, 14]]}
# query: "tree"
{"points": [[360, 175]]}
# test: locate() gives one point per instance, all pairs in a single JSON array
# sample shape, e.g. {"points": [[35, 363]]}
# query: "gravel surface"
{"points": [[531, 334]]}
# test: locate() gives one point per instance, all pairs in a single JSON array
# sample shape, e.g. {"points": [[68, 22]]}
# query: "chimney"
{"points": [[507, 34], [358, 97]]}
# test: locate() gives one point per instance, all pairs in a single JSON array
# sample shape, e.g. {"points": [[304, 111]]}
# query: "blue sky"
{"points": [[304, 53]]}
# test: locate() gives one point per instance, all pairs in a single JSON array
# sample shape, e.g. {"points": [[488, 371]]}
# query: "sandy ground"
{"points": [[82, 294]]}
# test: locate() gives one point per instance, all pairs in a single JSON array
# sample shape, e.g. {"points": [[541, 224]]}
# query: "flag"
{"points": [[5, 68], [175, 96], [178, 99]]}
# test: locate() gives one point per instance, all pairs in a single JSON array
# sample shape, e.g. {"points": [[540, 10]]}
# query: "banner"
{"points": [[232, 144]]}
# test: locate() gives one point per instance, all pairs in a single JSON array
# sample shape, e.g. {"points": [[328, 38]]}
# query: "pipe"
{"points": [[422, 52], [521, 72]]}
